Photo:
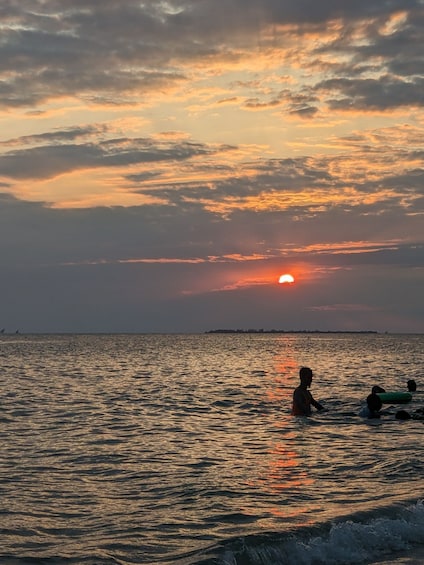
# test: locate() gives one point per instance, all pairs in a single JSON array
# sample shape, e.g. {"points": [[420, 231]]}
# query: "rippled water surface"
{"points": [[150, 448]]}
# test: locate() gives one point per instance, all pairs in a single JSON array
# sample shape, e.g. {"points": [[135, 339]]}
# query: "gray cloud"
{"points": [[272, 178], [101, 51], [57, 136], [373, 94], [313, 12], [47, 161]]}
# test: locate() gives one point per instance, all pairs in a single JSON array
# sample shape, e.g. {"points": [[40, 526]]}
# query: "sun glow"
{"points": [[286, 279]]}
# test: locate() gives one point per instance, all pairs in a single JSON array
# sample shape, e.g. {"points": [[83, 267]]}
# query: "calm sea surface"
{"points": [[181, 449]]}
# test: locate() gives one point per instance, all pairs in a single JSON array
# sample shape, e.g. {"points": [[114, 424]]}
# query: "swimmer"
{"points": [[302, 398], [373, 407], [412, 385], [404, 415]]}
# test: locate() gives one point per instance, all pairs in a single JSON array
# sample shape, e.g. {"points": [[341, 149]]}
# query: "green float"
{"points": [[395, 397]]}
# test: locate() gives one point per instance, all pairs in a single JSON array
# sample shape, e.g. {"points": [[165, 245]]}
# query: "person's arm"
{"points": [[317, 405]]}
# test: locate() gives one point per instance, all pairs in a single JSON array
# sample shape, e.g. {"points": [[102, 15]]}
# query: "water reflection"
{"points": [[285, 370], [285, 474], [285, 467]]}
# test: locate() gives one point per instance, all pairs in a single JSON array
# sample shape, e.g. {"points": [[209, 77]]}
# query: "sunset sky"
{"points": [[162, 163]]}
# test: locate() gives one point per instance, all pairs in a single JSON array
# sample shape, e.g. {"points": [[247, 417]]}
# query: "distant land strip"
{"points": [[262, 331]]}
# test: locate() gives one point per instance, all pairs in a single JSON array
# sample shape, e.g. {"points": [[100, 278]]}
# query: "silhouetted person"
{"points": [[402, 415], [375, 389], [373, 407], [302, 398], [418, 414], [412, 385]]}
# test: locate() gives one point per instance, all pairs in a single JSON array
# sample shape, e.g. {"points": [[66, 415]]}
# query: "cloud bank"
{"points": [[162, 163]]}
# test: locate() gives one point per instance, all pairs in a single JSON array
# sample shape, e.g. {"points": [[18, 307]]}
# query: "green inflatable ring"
{"points": [[395, 397]]}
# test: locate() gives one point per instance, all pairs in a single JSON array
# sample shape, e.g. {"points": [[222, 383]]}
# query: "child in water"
{"points": [[373, 407]]}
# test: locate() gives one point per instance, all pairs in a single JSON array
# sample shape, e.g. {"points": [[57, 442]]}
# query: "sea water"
{"points": [[181, 449]]}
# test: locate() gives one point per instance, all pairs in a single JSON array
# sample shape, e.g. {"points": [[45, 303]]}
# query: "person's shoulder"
{"points": [[364, 412]]}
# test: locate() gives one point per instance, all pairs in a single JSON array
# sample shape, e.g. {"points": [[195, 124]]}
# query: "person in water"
{"points": [[412, 385], [373, 407], [404, 415], [302, 398]]}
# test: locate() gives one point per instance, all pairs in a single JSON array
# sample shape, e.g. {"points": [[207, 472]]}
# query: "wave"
{"points": [[361, 538]]}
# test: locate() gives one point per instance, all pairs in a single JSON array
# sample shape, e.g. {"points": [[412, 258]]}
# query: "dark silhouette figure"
{"points": [[373, 407], [402, 415], [412, 385], [302, 398]]}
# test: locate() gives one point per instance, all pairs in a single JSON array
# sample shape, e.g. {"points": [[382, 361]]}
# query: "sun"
{"points": [[286, 279]]}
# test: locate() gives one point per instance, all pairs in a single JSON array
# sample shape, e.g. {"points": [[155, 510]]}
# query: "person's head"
{"points": [[374, 402], [305, 375], [402, 415], [412, 385], [376, 389]]}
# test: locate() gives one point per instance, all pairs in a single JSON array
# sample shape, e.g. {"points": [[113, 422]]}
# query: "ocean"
{"points": [[181, 450]]}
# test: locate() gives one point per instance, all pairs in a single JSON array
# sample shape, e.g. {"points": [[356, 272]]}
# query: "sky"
{"points": [[162, 163]]}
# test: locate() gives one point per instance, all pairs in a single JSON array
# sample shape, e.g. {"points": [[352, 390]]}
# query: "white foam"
{"points": [[347, 542]]}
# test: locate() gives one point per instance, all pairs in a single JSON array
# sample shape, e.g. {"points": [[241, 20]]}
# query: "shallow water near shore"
{"points": [[181, 449]]}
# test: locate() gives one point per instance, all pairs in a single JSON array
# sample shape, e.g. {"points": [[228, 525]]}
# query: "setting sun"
{"points": [[286, 279]]}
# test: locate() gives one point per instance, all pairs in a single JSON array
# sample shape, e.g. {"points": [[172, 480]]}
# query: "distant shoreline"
{"points": [[261, 331]]}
